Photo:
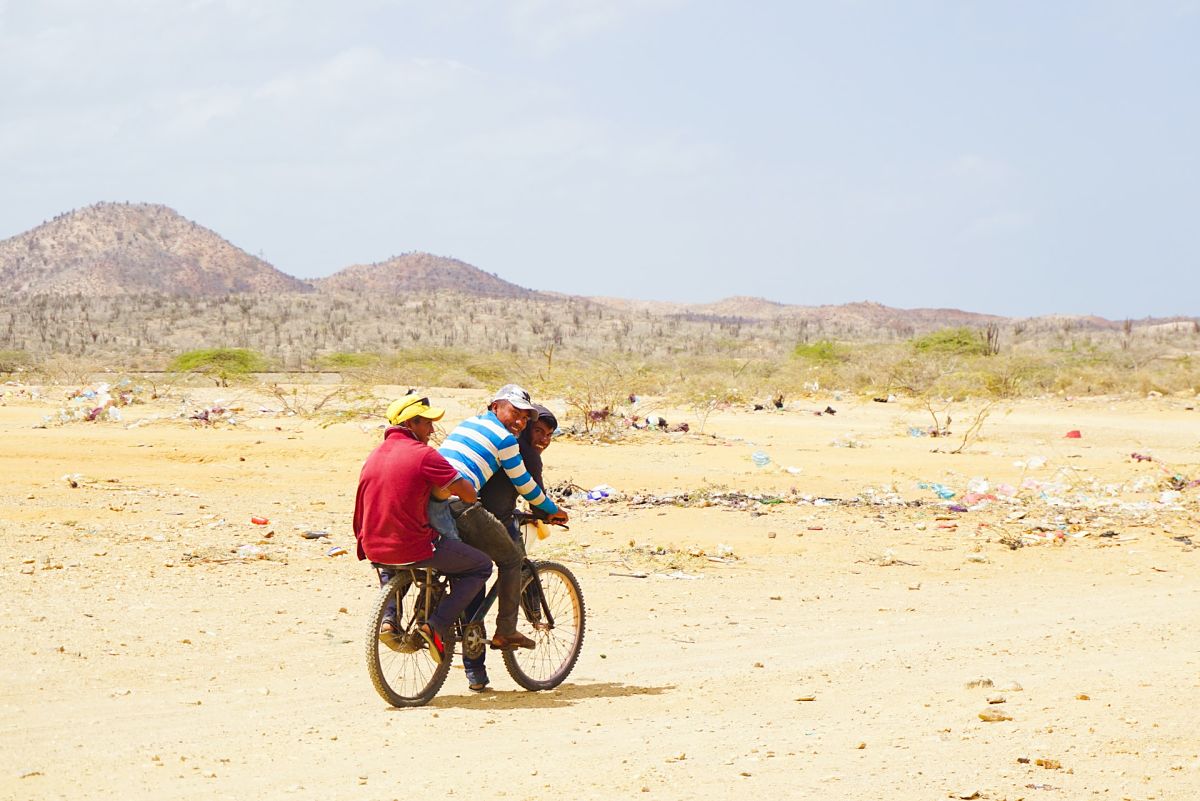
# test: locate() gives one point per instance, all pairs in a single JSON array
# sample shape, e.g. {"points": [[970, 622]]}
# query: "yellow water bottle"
{"points": [[543, 530]]}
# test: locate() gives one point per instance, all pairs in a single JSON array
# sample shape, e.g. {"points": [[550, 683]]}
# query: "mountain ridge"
{"points": [[113, 249], [122, 248]]}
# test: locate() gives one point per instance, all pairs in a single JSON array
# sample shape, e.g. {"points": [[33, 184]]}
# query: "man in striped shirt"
{"points": [[479, 447]]}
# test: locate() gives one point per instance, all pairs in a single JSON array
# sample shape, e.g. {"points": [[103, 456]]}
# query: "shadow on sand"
{"points": [[565, 695]]}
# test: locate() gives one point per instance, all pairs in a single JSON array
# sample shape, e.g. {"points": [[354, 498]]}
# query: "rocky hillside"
{"points": [[420, 272], [127, 249]]}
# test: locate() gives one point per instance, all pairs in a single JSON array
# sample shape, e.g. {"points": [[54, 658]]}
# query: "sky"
{"points": [[1016, 158]]}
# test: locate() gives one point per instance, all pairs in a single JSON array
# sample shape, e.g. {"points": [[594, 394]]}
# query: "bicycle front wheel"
{"points": [[559, 634], [402, 675]]}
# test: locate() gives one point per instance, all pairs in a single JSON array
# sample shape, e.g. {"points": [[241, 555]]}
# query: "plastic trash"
{"points": [[1036, 462], [978, 486], [941, 490], [314, 535], [336, 550], [916, 431], [1074, 434], [259, 521], [795, 471], [250, 552], [600, 492], [760, 458]]}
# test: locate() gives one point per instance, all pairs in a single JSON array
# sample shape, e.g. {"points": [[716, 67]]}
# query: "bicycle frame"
{"points": [[426, 578]]}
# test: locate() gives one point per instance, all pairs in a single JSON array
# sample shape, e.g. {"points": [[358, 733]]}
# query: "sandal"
{"points": [[389, 635]]}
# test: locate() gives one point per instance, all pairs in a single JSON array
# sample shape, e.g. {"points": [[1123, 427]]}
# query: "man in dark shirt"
{"points": [[499, 497]]}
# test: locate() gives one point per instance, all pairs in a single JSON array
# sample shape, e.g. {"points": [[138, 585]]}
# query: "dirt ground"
{"points": [[143, 658]]}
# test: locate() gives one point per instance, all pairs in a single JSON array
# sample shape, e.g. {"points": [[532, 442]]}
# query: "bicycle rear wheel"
{"points": [[558, 646], [403, 676]]}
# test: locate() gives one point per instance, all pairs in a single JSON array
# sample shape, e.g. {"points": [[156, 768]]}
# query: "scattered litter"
{"points": [[314, 535], [631, 575], [848, 441], [601, 492], [1141, 457], [91, 404], [336, 550], [251, 552], [760, 458], [678, 575], [259, 521], [1074, 433], [941, 490]]}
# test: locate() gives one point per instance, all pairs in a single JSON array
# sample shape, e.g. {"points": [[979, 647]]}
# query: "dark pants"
{"points": [[476, 667], [480, 529], [468, 570]]}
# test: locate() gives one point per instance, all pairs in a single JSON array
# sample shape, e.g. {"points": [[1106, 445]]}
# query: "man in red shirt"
{"points": [[391, 523]]}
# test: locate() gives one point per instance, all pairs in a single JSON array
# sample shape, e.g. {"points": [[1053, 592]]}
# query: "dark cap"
{"points": [[545, 414]]}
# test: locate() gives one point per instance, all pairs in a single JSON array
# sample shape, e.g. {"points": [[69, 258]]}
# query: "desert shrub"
{"points": [[1015, 376], [822, 351], [347, 360], [960, 341], [220, 364], [12, 361]]}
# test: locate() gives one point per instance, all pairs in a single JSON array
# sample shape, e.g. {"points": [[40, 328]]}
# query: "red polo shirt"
{"points": [[391, 521]]}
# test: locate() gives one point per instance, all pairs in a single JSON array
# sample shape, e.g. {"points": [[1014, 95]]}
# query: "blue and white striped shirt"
{"points": [[481, 445]]}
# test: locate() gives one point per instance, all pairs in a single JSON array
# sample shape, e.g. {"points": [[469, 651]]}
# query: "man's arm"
{"points": [[460, 486]]}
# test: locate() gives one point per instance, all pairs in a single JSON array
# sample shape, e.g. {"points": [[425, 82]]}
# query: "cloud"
{"points": [[549, 26]]}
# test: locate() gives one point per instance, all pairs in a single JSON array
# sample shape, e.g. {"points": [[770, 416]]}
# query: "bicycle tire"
{"points": [[548, 665], [403, 679]]}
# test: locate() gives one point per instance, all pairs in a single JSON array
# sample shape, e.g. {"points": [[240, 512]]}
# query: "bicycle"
{"points": [[405, 673]]}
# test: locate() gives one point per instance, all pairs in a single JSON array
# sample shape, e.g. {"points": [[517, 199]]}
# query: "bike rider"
{"points": [[480, 447], [391, 520], [499, 496]]}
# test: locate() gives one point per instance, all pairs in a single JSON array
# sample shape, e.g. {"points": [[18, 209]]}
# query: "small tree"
{"points": [[220, 364]]}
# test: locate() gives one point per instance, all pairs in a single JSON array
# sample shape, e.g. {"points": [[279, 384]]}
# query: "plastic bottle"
{"points": [[542, 529], [760, 458]]}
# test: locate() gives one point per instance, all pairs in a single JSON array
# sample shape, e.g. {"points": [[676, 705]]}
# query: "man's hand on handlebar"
{"points": [[558, 518]]}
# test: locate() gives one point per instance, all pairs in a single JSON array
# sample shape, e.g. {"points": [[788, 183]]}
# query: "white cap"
{"points": [[514, 395]]}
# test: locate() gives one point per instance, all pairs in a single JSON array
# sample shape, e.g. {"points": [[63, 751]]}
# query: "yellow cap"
{"points": [[411, 406]]}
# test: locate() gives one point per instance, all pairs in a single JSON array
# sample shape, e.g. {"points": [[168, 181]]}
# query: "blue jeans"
{"points": [[441, 519]]}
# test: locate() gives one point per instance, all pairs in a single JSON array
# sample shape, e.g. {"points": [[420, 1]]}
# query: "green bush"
{"points": [[13, 360], [346, 360], [957, 341], [822, 351], [221, 364]]}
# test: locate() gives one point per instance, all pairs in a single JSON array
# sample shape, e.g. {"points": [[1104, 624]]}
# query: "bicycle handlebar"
{"points": [[525, 517]]}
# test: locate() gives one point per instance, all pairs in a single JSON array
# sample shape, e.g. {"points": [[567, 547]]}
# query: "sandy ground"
{"points": [[143, 659]]}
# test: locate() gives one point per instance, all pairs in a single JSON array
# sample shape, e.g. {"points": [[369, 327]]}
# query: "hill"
{"points": [[416, 272], [127, 249]]}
